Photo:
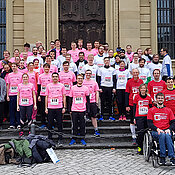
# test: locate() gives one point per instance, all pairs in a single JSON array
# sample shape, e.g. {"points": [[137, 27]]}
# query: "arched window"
{"points": [[166, 25], [2, 27]]}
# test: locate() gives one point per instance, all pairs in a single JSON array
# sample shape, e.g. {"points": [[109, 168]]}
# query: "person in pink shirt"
{"points": [[80, 46], [129, 52], [52, 69], [80, 99], [25, 58], [52, 46], [94, 99], [68, 79], [57, 47], [15, 54], [74, 52], [89, 50], [55, 104], [26, 49], [26, 100], [36, 66], [21, 67], [96, 46], [43, 80], [6, 55], [13, 79]]}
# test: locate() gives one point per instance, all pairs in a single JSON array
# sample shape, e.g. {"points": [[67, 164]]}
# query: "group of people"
{"points": [[83, 82]]}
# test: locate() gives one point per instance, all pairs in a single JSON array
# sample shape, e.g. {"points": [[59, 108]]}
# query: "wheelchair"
{"points": [[151, 149]]}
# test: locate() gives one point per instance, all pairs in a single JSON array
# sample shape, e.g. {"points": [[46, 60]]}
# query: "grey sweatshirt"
{"points": [[2, 90]]}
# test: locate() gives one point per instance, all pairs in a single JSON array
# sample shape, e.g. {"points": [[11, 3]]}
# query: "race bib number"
{"points": [[67, 87], [54, 101], [100, 65], [24, 101], [43, 89], [121, 78], [143, 110], [93, 76], [107, 79], [78, 100], [143, 78], [13, 89]]}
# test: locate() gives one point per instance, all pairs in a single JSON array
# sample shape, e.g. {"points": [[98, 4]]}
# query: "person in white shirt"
{"points": [[122, 76], [61, 58], [124, 58], [106, 48], [155, 64], [144, 72], [91, 66], [52, 54], [166, 64], [107, 84], [116, 65], [148, 55], [134, 64], [99, 58], [35, 56], [81, 62], [111, 56]]}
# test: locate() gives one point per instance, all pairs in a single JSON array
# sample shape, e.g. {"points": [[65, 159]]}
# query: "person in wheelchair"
{"points": [[162, 121]]}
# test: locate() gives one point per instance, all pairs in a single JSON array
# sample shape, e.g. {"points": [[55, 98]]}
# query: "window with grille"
{"points": [[166, 25], [2, 27]]}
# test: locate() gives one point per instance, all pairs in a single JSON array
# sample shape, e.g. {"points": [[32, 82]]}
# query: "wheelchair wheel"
{"points": [[147, 145], [154, 160]]}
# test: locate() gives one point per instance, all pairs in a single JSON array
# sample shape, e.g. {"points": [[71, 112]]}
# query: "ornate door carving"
{"points": [[81, 19]]}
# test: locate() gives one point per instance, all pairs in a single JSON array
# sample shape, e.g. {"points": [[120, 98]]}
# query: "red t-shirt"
{"points": [[142, 105], [161, 117], [169, 99], [155, 87], [132, 87]]}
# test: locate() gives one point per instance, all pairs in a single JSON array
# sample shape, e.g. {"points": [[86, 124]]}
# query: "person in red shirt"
{"points": [[156, 85], [132, 89], [162, 121], [142, 102], [169, 94]]}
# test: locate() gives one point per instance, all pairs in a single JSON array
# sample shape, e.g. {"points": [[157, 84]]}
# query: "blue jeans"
{"points": [[14, 114], [164, 140]]}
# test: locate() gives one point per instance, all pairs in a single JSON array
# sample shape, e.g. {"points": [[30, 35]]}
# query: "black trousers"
{"points": [[106, 100], [121, 101], [1, 112], [57, 115], [141, 123], [78, 121], [26, 111], [43, 114]]}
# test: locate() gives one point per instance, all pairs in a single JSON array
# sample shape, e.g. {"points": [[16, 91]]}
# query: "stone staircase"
{"points": [[113, 134]]}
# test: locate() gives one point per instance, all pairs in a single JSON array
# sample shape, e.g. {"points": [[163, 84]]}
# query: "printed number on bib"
{"points": [[67, 87], [143, 78], [24, 101], [13, 89], [43, 89], [54, 101], [78, 100], [143, 110], [121, 78], [107, 79]]}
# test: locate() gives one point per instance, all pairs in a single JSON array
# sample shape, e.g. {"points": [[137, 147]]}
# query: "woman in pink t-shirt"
{"points": [[26, 100]]}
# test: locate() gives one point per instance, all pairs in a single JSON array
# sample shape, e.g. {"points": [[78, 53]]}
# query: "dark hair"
{"points": [[159, 94], [156, 70], [46, 65], [88, 70], [142, 59], [81, 53], [57, 40], [66, 62], [35, 60], [128, 46], [165, 49], [117, 56], [106, 58], [169, 78], [121, 61], [54, 73], [135, 53], [27, 45], [30, 63], [52, 42], [48, 56]]}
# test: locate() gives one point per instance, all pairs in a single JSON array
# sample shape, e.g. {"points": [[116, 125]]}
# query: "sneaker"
{"points": [[60, 143], [162, 161], [97, 134], [112, 118], [124, 118], [72, 142], [83, 142], [172, 160], [11, 127], [134, 141], [18, 127], [101, 119], [120, 118], [34, 120], [43, 126]]}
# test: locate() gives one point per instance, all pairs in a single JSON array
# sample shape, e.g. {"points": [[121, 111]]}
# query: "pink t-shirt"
{"points": [[81, 50], [22, 70], [12, 60], [95, 51], [55, 94], [57, 52], [13, 79], [44, 80], [1, 64], [32, 79], [74, 54], [25, 94], [79, 98], [130, 56], [52, 69], [93, 88], [67, 79], [88, 53], [28, 54]]}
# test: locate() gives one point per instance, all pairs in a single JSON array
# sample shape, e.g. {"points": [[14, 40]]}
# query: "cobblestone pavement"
{"points": [[89, 161]]}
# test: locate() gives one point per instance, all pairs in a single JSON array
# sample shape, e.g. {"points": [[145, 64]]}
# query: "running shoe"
{"points": [[112, 118], [124, 117], [42, 126], [172, 160], [101, 118], [162, 161], [11, 127], [72, 142], [120, 118], [83, 142], [97, 134], [134, 141]]}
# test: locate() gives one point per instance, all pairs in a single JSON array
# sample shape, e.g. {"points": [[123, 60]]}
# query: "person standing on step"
{"points": [[132, 89], [26, 100], [79, 95], [122, 76], [107, 84], [94, 97], [55, 104], [142, 102], [43, 80], [13, 79]]}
